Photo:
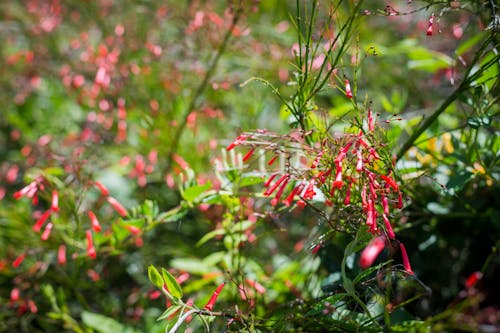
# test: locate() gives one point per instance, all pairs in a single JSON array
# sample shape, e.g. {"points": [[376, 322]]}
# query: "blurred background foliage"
{"points": [[143, 95]]}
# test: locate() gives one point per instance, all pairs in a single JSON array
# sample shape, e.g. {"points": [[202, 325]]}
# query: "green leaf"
{"points": [[190, 194], [104, 324], [155, 276], [173, 287], [250, 180], [170, 311], [210, 235]]}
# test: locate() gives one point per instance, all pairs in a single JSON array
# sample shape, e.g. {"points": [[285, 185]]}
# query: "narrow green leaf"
{"points": [[190, 194], [210, 235], [170, 311], [155, 276], [171, 282]]}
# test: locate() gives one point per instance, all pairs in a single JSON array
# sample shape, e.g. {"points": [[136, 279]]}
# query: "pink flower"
{"points": [[14, 294], [371, 125], [371, 251]]}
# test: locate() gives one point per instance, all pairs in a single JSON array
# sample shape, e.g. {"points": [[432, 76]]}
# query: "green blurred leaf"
{"points": [[155, 276], [104, 324], [173, 287], [190, 194], [169, 312]]}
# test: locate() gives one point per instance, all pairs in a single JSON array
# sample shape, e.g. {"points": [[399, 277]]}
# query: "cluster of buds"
{"points": [[345, 172]]}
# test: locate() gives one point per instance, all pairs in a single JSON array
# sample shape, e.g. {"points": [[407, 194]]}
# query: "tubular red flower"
{"points": [[61, 255], [40, 222], [27, 191], [102, 188], [406, 261], [297, 189], [347, 199], [210, 304], [14, 294], [117, 206], [270, 190], [91, 252], [133, 230], [272, 160], [94, 221], [278, 195], [309, 192], [388, 227], [46, 232], [371, 251], [359, 162], [248, 155], [238, 141], [473, 279], [316, 161], [55, 201], [348, 91], [385, 205], [371, 125], [256, 285], [430, 25], [391, 182], [19, 260], [268, 182]]}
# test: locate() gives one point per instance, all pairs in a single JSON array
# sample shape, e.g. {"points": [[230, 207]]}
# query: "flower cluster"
{"points": [[344, 172]]}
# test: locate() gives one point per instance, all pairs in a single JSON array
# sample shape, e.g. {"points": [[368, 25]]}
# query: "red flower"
{"points": [[117, 206], [248, 154], [238, 141], [46, 232], [430, 25], [210, 304], [14, 294], [95, 222], [371, 251], [102, 188], [61, 255], [348, 91], [473, 279], [55, 201], [90, 245], [406, 261], [19, 260], [270, 190], [40, 222]]}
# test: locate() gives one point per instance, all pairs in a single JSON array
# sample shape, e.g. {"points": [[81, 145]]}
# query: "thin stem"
{"points": [[203, 85]]}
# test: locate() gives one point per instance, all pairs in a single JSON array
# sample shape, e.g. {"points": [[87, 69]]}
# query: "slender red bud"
{"points": [[371, 125], [19, 260], [238, 141], [348, 91], [371, 251], [46, 232], [94, 221], [272, 160], [117, 206], [430, 25], [61, 255], [388, 227], [40, 222], [471, 279], [248, 155], [270, 190], [102, 188], [210, 304], [55, 201], [90, 245], [406, 261]]}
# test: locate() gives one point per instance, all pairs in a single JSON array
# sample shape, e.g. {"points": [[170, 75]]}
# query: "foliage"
{"points": [[364, 135]]}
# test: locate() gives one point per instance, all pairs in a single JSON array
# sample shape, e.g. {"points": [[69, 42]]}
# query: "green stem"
{"points": [[203, 85]]}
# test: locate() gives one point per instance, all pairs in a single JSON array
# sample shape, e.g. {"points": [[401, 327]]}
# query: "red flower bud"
{"points": [[117, 206], [371, 251], [210, 304], [90, 245]]}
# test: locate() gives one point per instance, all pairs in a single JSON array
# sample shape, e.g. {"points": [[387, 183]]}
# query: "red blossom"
{"points": [[271, 189], [94, 221], [406, 261], [473, 279], [102, 188], [371, 125], [210, 304], [132, 229], [272, 160], [117, 206], [91, 252], [248, 155], [430, 25], [61, 255], [388, 227], [19, 260], [40, 222], [46, 232], [238, 141], [348, 91], [55, 201], [14, 294], [371, 251]]}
